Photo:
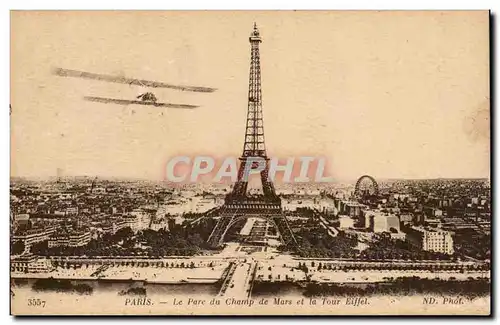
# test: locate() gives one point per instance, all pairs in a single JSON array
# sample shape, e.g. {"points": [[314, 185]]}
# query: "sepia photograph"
{"points": [[250, 163]]}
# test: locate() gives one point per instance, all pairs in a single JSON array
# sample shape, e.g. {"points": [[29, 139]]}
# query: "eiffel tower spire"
{"points": [[254, 133], [254, 145]]}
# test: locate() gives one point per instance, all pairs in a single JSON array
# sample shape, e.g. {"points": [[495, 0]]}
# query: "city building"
{"points": [[433, 212], [20, 263], [435, 240], [377, 221], [72, 210], [31, 236], [346, 222], [22, 219], [40, 265], [406, 217], [73, 239], [29, 263], [350, 208]]}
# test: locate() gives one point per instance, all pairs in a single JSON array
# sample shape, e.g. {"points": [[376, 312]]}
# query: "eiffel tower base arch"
{"points": [[232, 213]]}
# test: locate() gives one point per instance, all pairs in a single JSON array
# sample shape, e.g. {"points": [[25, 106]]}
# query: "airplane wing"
{"points": [[131, 81], [136, 102]]}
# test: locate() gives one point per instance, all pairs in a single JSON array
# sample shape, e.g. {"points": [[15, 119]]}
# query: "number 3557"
{"points": [[36, 302]]}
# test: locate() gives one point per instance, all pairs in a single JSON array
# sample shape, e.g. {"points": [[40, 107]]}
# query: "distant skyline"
{"points": [[117, 178], [401, 95]]}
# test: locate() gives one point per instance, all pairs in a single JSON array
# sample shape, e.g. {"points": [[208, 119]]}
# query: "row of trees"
{"points": [[179, 240], [315, 242], [471, 243], [385, 247], [145, 263]]}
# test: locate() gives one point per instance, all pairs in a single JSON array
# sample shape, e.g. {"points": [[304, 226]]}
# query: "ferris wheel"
{"points": [[366, 186]]}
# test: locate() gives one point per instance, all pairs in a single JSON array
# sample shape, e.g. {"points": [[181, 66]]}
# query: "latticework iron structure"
{"points": [[239, 204]]}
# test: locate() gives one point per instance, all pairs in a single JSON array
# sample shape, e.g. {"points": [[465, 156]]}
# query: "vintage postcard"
{"points": [[250, 163]]}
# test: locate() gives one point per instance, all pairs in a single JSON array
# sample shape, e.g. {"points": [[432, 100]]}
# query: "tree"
{"points": [[123, 234], [128, 243], [17, 247], [42, 248]]}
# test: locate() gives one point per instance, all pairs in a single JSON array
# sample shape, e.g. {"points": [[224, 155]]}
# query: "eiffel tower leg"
{"points": [[267, 185], [286, 233], [240, 188], [220, 229]]}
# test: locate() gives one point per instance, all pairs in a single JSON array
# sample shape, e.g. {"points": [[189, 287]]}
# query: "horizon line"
{"points": [[165, 181]]}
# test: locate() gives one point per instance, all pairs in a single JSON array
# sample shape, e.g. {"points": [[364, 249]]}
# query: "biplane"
{"points": [[147, 98]]}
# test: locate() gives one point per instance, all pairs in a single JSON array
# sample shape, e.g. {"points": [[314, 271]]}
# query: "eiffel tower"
{"points": [[238, 204]]}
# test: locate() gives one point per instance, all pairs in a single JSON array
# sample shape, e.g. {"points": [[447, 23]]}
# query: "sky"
{"points": [[389, 94]]}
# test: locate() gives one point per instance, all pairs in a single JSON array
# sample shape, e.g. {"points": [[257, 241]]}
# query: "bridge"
{"points": [[239, 280]]}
